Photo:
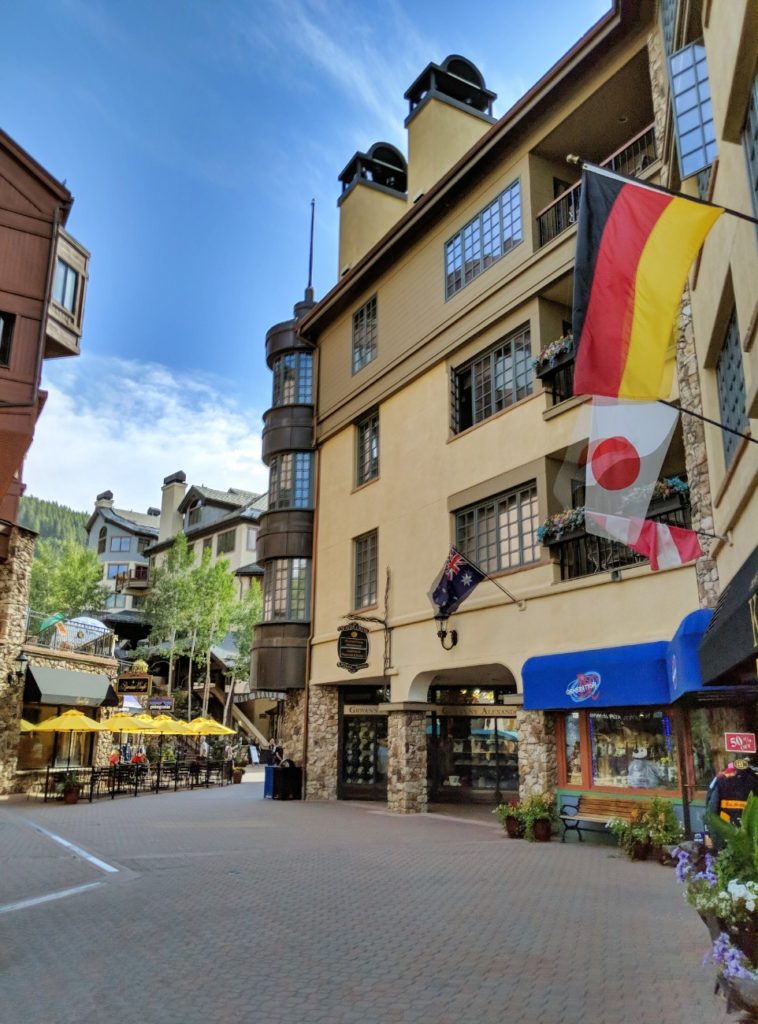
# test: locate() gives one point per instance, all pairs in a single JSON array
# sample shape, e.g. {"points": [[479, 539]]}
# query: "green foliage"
{"points": [[67, 781], [51, 520], [539, 807], [169, 601], [247, 615], [653, 822], [738, 845], [66, 577]]}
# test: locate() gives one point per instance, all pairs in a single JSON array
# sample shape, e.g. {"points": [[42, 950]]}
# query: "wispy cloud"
{"points": [[115, 424]]}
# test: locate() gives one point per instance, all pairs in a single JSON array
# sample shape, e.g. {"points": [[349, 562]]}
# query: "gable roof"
{"points": [[231, 498], [125, 519]]}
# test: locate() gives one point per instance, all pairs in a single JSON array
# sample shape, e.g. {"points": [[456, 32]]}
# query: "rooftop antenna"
{"points": [[309, 289]]}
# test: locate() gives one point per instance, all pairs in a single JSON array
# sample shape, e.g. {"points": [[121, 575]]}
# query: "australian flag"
{"points": [[457, 579]]}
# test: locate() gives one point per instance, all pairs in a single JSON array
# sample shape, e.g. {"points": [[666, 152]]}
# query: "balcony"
{"points": [[579, 553], [555, 368], [81, 635], [65, 310], [631, 159], [136, 581]]}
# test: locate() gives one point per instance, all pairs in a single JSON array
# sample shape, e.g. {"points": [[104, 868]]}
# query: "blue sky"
{"points": [[193, 134]]}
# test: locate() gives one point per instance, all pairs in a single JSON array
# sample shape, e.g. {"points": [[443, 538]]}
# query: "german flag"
{"points": [[634, 249]]}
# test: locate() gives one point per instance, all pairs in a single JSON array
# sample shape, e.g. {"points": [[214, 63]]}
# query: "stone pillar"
{"points": [[293, 726], [406, 775], [536, 753], [15, 579], [323, 743], [656, 60]]}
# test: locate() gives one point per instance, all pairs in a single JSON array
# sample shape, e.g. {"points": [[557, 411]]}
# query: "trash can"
{"points": [[269, 776], [288, 782]]}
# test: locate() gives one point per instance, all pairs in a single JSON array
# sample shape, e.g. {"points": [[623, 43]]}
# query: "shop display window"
{"points": [[707, 728], [469, 695], [573, 750], [633, 749], [474, 755], [37, 750], [364, 746]]}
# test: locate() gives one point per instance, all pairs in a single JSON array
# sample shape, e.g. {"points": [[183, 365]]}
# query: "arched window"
{"points": [[101, 540]]}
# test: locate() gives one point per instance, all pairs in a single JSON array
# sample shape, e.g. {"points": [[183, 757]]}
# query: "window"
{"points": [[365, 570], [64, 286], [115, 601], [120, 543], [633, 749], [207, 544], [293, 379], [750, 142], [493, 381], [731, 387], [490, 235], [102, 540], [572, 749], [138, 601], [250, 537], [367, 463], [290, 481], [7, 323], [114, 569], [668, 24], [286, 590], [194, 512], [693, 116], [142, 543], [364, 335], [225, 542], [500, 533]]}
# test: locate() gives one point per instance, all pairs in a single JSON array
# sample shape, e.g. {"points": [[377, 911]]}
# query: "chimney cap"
{"points": [[152, 511], [175, 478], [456, 79], [105, 496]]}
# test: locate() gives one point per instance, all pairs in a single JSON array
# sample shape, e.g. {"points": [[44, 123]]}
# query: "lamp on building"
{"points": [[441, 619], [21, 662]]}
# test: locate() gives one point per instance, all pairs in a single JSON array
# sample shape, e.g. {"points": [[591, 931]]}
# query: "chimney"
{"points": [[373, 199], [104, 500], [450, 109], [172, 493]]}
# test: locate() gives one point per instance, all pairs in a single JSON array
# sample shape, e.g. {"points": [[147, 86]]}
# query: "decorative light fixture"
{"points": [[21, 662], [441, 619]]}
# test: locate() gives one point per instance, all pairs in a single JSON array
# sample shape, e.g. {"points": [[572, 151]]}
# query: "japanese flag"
{"points": [[628, 443]]}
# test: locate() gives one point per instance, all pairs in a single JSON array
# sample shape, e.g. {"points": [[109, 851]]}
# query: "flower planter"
{"points": [[513, 828], [542, 830], [639, 850], [551, 365], [566, 535], [237, 776], [712, 923], [71, 796]]}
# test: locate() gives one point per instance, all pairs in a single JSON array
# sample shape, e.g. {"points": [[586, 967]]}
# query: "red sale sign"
{"points": [[740, 742]]}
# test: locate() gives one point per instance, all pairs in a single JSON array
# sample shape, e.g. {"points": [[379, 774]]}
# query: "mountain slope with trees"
{"points": [[51, 520]]}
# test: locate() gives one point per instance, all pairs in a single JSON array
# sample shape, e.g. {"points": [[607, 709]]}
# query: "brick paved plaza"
{"points": [[227, 908]]}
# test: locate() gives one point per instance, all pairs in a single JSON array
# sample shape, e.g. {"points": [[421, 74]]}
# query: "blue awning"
{"points": [[632, 675]]}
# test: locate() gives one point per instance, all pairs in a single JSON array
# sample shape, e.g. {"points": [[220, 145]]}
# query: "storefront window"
{"points": [[39, 749], [573, 750], [473, 757], [634, 750], [707, 727], [469, 695], [364, 741]]}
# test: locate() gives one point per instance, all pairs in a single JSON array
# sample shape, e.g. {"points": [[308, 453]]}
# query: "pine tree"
{"points": [[51, 520]]}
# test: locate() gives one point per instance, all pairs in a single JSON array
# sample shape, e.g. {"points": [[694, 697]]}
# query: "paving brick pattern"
{"points": [[233, 909]]}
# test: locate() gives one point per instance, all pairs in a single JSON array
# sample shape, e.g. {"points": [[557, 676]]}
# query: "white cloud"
{"points": [[119, 425]]}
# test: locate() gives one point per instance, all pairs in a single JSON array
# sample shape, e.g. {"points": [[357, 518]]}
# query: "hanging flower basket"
{"points": [[555, 355]]}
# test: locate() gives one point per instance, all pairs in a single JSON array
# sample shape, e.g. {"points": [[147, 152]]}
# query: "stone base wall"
{"points": [[293, 726], [537, 765], [15, 578], [406, 776], [323, 743]]}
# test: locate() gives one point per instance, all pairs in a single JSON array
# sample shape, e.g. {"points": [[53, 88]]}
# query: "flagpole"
{"points": [[585, 164], [707, 419], [516, 600]]}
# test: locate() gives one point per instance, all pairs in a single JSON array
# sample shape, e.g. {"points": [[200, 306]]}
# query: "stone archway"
{"points": [[485, 676]]}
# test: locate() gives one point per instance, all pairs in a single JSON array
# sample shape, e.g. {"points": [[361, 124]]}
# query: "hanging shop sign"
{"points": [[740, 742], [133, 684], [160, 703], [241, 698], [352, 647], [363, 710]]}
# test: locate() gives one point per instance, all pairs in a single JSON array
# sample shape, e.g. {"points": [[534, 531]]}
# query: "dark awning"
{"points": [[730, 643], [62, 686]]}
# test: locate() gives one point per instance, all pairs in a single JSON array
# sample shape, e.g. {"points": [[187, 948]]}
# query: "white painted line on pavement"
{"points": [[74, 849], [23, 904]]}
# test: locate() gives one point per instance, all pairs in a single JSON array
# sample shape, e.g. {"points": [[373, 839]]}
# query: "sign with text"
{"points": [[133, 684], [740, 742], [352, 647], [260, 695], [160, 703], [362, 709]]}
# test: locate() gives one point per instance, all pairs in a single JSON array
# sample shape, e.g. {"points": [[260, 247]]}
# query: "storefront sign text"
{"points": [[362, 709], [160, 703], [352, 647], [133, 684], [740, 742], [585, 686], [476, 711]]}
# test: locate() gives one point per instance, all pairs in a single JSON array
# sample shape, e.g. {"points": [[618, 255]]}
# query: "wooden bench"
{"points": [[596, 810]]}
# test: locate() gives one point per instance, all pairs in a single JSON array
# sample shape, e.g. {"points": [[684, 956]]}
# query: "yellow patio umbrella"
{"points": [[210, 727], [69, 722], [165, 725], [25, 726], [127, 723]]}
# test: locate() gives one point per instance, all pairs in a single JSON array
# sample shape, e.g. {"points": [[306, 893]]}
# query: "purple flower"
{"points": [[726, 956]]}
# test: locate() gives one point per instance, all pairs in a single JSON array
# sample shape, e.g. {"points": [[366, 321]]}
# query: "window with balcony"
{"points": [[7, 323], [286, 590], [500, 533], [64, 285], [102, 540], [493, 381], [481, 242], [293, 379], [364, 334], [290, 481], [750, 142], [693, 116], [225, 542], [121, 543], [730, 379], [365, 569], [114, 569], [367, 460]]}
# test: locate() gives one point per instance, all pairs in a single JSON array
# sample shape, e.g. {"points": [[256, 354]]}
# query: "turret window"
{"points": [[364, 335], [293, 379], [290, 481], [286, 590]]}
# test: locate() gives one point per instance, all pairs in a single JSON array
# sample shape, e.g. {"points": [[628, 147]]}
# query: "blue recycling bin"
{"points": [[268, 781]]}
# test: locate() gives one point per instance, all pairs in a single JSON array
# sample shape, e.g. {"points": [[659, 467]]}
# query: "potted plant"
{"points": [[560, 525], [664, 829], [554, 355], [237, 772], [69, 786], [537, 813], [510, 817], [633, 833]]}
